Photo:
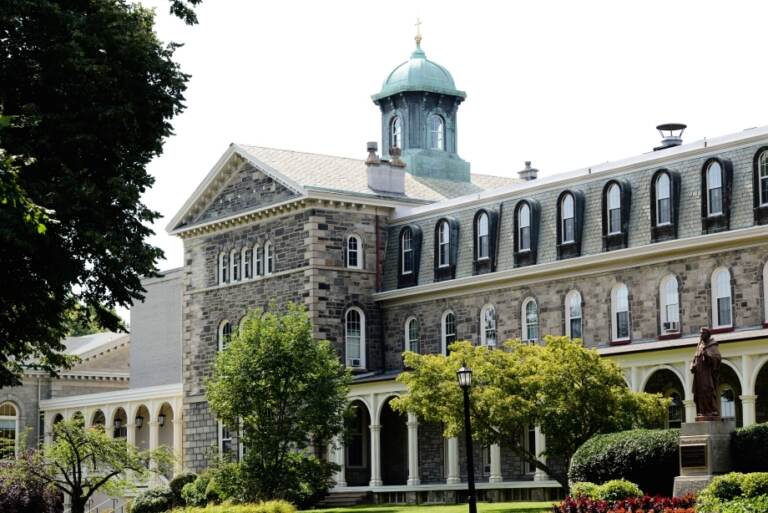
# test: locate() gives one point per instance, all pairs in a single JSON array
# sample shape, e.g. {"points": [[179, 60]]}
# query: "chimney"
{"points": [[385, 177], [529, 173], [671, 135]]}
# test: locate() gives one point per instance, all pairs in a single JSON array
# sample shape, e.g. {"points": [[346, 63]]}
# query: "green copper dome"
{"points": [[419, 74]]}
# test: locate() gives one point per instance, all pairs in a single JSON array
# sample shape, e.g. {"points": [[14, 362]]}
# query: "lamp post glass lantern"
{"points": [[464, 375]]}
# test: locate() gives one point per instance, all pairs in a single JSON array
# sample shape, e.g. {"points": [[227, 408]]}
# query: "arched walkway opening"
{"points": [[141, 425], [394, 446], [357, 445], [730, 390], [120, 424], [666, 383], [58, 418], [79, 418], [761, 391], [9, 430], [98, 419], [165, 425]]}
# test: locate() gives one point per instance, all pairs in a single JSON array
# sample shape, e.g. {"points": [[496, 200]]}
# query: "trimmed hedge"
{"points": [[261, 507], [750, 448], [614, 490], [735, 493], [648, 457]]}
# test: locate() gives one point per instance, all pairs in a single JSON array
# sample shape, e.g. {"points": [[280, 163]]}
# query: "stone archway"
{"points": [[141, 425], [730, 390], [394, 445], [98, 419], [357, 445], [119, 425], [667, 383]]}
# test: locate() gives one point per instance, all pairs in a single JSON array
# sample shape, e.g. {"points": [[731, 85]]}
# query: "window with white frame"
{"points": [[714, 189], [524, 227], [412, 336], [223, 267], [620, 313], [488, 325], [568, 219], [354, 337], [224, 336], [762, 176], [483, 237], [530, 315], [247, 259], [354, 252], [269, 259], [614, 209], [663, 199], [669, 302], [722, 314], [234, 260], [448, 330], [573, 314], [406, 250], [9, 431], [436, 132], [258, 257], [396, 132], [444, 244]]}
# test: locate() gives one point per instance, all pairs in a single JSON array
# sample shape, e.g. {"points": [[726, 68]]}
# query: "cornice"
{"points": [[174, 390]]}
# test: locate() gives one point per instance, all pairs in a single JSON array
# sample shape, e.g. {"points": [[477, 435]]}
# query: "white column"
{"points": [[48, 427], [748, 409], [337, 455], [130, 433], [453, 476], [178, 444], [690, 405], [376, 455], [690, 410], [634, 374], [541, 446], [495, 476], [413, 451]]}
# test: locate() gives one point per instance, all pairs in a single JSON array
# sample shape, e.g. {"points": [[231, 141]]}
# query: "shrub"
{"points": [[735, 493], [260, 507], [737, 505], [21, 492], [618, 489], [750, 448], [725, 487], [648, 457], [177, 483], [755, 484], [199, 492], [154, 500], [584, 490], [643, 504]]}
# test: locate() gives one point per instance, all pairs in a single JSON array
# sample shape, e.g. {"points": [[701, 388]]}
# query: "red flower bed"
{"points": [[630, 505]]}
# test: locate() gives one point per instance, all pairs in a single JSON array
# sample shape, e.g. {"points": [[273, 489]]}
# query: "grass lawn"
{"points": [[483, 507]]}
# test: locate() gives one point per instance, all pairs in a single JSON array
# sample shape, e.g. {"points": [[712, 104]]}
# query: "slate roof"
{"points": [[79, 346]]}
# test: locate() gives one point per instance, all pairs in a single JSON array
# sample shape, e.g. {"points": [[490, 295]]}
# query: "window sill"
{"points": [[669, 336], [721, 329], [621, 342]]}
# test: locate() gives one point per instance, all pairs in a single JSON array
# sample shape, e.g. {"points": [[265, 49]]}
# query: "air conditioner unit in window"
{"points": [[671, 327], [353, 362]]}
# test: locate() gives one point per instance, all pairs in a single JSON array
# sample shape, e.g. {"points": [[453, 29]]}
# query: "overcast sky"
{"points": [[564, 84]]}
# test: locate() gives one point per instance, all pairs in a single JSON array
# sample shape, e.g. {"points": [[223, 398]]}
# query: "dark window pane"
{"points": [[622, 325], [575, 328], [568, 235], [525, 238], [724, 311], [715, 201], [663, 213], [614, 222]]}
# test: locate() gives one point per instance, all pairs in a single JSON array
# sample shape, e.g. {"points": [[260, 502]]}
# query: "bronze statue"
{"points": [[706, 376]]}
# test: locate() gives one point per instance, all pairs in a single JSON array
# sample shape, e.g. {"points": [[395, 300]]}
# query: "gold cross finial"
{"points": [[418, 31]]}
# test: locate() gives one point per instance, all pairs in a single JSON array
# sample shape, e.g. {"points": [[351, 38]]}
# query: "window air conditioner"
{"points": [[354, 362], [671, 327]]}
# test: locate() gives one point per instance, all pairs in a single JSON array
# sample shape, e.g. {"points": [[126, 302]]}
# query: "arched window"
{"points": [[436, 132], [224, 336], [412, 336], [530, 316], [448, 330], [483, 237], [762, 176], [573, 314], [354, 337], [406, 251], [269, 259], [444, 244], [613, 213], [234, 260], [722, 316], [354, 252], [488, 325], [524, 227], [223, 267], [258, 257], [567, 219], [669, 303], [714, 189], [9, 431], [247, 258], [663, 199], [727, 402], [620, 313], [396, 133]]}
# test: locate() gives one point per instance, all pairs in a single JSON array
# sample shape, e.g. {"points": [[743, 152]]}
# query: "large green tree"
{"points": [[287, 394], [570, 392], [87, 94]]}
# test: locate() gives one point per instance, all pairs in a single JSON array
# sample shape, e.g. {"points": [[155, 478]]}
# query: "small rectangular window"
{"points": [[525, 238], [724, 311], [483, 247], [568, 230], [715, 201], [614, 220], [622, 325], [664, 215]]}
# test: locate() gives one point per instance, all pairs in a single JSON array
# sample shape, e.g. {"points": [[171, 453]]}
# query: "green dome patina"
{"points": [[419, 74]]}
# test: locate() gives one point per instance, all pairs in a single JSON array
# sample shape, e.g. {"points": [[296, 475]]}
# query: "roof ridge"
{"points": [[301, 152]]}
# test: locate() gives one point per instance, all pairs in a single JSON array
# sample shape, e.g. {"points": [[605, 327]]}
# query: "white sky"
{"points": [[564, 84]]}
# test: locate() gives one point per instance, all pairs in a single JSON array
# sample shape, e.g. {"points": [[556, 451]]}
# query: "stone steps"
{"points": [[344, 499]]}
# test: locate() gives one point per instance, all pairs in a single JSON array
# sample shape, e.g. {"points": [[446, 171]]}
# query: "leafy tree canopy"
{"points": [[87, 93], [570, 392]]}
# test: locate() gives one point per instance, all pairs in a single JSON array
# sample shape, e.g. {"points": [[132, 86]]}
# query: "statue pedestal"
{"points": [[705, 452]]}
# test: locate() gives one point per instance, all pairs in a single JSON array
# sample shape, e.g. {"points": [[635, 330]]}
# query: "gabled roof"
{"points": [[89, 345]]}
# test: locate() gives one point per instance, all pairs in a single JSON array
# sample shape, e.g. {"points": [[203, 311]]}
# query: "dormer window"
{"points": [[436, 132], [446, 248], [396, 133], [406, 250], [665, 200], [616, 207], [567, 219], [570, 217], [484, 246], [714, 189], [483, 237], [443, 244], [716, 180], [524, 227], [760, 185], [409, 255]]}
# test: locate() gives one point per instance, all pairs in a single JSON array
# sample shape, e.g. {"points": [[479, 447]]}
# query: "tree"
{"points": [[87, 93], [570, 392], [82, 460], [82, 320], [287, 393]]}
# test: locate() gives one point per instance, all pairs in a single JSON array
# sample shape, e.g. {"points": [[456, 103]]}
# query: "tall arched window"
{"points": [[448, 330], [530, 315], [663, 199], [714, 189], [9, 431], [483, 237], [224, 336], [354, 252], [722, 315], [669, 303], [354, 337], [613, 213], [762, 176], [524, 227], [567, 219], [573, 314], [247, 258], [269, 259], [444, 244], [396, 133], [412, 335], [223, 267], [234, 260], [436, 132], [406, 251], [620, 321], [488, 325]]}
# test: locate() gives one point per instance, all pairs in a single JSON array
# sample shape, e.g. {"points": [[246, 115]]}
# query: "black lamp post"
{"points": [[465, 382]]}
